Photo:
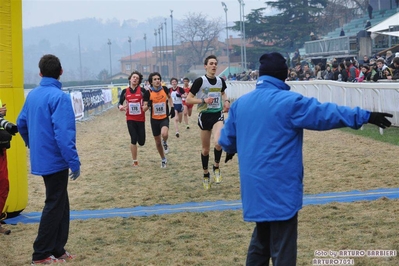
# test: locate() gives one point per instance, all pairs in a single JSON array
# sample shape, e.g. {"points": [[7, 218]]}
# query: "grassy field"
{"points": [[334, 161], [389, 136]]}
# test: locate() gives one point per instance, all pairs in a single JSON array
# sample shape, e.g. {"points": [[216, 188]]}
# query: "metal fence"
{"points": [[333, 46], [375, 96]]}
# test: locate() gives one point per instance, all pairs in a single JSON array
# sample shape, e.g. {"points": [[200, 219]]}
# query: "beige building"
{"points": [[160, 59]]}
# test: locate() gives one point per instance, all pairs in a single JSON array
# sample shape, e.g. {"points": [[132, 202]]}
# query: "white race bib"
{"points": [[216, 100], [159, 108], [134, 109]]}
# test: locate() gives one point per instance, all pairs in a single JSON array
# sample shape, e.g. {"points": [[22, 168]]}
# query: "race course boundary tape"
{"points": [[317, 199]]}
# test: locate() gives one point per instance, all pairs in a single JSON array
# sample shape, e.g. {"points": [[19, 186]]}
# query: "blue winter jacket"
{"points": [[47, 125], [265, 128]]}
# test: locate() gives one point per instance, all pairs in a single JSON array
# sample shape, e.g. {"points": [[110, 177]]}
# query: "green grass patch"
{"points": [[390, 135]]}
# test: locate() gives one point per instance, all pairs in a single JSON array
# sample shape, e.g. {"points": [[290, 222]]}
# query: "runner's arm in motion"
{"points": [[122, 105], [193, 91], [226, 101], [192, 100], [146, 101]]}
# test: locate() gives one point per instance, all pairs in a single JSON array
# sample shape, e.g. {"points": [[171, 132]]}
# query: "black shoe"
{"points": [[4, 231]]}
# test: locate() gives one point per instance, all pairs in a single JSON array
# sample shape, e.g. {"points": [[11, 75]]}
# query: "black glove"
{"points": [[379, 119], [74, 175], [172, 112], [11, 128], [229, 156]]}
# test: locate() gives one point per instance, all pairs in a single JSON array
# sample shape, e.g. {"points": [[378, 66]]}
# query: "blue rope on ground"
{"points": [[317, 199]]}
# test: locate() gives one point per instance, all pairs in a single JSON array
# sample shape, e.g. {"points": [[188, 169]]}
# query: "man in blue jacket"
{"points": [[265, 127], [47, 125]]}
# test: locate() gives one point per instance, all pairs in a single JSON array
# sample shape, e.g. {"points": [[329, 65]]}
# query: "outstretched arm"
{"points": [[380, 119]]}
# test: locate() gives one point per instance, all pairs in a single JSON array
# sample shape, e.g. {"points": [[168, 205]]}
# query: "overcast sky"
{"points": [[44, 12]]}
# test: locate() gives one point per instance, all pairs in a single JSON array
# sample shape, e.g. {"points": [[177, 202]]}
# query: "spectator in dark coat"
{"points": [[395, 68], [342, 72], [368, 25], [370, 11], [335, 71]]}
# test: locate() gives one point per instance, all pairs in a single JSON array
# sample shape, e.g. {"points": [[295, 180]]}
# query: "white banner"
{"points": [[77, 104]]}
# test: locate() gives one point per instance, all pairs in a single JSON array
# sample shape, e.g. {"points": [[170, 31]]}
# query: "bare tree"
{"points": [[339, 12], [197, 36], [103, 75]]}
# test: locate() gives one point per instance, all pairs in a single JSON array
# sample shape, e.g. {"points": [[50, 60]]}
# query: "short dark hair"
{"points": [[137, 73], [381, 60], [173, 79], [210, 57], [396, 60], [152, 75], [186, 79], [365, 66], [50, 66], [335, 65]]}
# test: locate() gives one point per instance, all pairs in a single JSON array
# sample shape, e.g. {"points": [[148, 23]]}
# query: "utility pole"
{"points": [[173, 48], [110, 61], [160, 48], [166, 49], [227, 40], [156, 52], [145, 46], [245, 42], [80, 60], [241, 34], [130, 49]]}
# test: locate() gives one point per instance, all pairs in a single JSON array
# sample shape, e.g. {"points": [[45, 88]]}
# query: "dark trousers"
{"points": [[275, 240], [54, 223], [4, 184]]}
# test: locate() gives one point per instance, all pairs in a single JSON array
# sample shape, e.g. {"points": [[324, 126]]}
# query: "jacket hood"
{"points": [[272, 80]]}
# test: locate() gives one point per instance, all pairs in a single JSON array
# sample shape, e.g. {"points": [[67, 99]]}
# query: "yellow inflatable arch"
{"points": [[12, 94]]}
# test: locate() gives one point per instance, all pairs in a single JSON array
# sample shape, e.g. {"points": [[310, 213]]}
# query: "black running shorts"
{"points": [[207, 120], [157, 125], [136, 132]]}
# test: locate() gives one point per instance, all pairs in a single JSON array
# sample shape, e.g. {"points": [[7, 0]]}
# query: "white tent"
{"points": [[383, 27], [392, 33]]}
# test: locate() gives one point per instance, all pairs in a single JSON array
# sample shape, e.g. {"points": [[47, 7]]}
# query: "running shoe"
{"points": [[66, 256], [206, 183], [187, 127], [177, 134], [217, 176], [3, 216], [135, 163], [4, 231], [49, 260], [165, 147], [163, 163]]}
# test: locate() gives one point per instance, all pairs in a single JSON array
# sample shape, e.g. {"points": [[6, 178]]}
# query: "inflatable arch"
{"points": [[12, 94]]}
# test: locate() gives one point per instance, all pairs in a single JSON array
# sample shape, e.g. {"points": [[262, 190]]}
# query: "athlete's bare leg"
{"points": [[158, 144], [206, 143], [216, 135]]}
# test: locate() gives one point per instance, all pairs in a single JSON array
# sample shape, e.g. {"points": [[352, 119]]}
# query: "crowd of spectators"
{"points": [[371, 68], [248, 75], [348, 70]]}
